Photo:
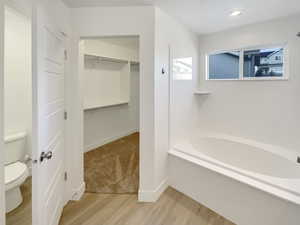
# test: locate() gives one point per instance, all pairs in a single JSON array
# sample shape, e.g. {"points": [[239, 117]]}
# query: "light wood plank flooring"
{"points": [[173, 208], [22, 214]]}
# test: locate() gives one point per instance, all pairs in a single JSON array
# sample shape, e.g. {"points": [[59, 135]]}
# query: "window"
{"points": [[266, 62], [247, 64], [224, 65]]}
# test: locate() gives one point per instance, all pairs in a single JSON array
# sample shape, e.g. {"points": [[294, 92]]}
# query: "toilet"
{"points": [[16, 172]]}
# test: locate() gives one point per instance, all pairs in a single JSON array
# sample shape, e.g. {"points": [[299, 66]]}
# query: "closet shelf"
{"points": [[200, 92], [106, 105], [105, 59]]}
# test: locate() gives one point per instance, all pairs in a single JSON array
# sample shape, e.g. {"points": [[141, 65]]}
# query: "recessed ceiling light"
{"points": [[236, 13]]}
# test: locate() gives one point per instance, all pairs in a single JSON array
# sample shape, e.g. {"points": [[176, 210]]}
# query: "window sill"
{"points": [[253, 79]]}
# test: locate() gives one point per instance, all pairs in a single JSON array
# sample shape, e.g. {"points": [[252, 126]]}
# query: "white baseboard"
{"points": [[100, 143], [78, 193], [153, 196]]}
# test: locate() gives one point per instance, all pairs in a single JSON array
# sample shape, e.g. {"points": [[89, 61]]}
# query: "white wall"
{"points": [[183, 43], [17, 76], [115, 21], [118, 47], [266, 111]]}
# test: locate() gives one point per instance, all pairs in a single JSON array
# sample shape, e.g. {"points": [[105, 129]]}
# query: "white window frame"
{"points": [[285, 75]]}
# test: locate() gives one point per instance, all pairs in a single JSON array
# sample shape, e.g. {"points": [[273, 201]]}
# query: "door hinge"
{"points": [[66, 176], [66, 55], [66, 115]]}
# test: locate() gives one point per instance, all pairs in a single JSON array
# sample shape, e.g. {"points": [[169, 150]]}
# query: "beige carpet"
{"points": [[114, 167]]}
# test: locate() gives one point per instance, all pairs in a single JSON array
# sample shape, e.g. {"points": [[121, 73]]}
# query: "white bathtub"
{"points": [[236, 164]]}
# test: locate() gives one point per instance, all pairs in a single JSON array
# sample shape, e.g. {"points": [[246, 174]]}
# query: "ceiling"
{"points": [[89, 3], [207, 16]]}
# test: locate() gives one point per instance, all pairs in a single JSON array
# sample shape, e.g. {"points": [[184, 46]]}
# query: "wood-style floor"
{"points": [[173, 208], [22, 214]]}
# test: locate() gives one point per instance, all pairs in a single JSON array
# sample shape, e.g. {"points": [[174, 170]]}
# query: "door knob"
{"points": [[45, 155]]}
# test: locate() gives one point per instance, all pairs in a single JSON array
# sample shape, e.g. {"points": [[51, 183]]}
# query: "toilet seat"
{"points": [[15, 174]]}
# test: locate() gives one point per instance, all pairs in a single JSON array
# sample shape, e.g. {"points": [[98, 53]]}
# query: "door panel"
{"points": [[48, 175]]}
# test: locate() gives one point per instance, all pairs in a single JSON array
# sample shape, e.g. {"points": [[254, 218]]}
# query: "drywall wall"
{"points": [[110, 123], [266, 111], [127, 21], [125, 48], [17, 76], [174, 37]]}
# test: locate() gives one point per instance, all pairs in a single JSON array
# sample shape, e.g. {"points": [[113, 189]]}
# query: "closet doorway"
{"points": [[111, 82]]}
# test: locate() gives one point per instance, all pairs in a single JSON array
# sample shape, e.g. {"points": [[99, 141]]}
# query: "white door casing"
{"points": [[2, 185], [48, 107]]}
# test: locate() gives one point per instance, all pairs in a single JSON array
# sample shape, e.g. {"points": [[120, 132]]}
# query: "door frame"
{"points": [[2, 183], [80, 57]]}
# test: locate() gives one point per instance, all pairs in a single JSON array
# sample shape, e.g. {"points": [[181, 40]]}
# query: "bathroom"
{"points": [[18, 115], [204, 117]]}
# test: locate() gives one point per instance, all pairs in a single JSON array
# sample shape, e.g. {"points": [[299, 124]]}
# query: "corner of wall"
{"points": [[153, 195], [78, 192]]}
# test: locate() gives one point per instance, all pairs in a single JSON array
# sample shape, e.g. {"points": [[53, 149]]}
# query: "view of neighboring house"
{"points": [[274, 58], [224, 65], [263, 62]]}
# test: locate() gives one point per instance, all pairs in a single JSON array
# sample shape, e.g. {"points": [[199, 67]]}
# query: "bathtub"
{"points": [[218, 170]]}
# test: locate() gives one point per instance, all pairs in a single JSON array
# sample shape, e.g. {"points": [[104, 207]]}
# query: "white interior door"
{"points": [[49, 107]]}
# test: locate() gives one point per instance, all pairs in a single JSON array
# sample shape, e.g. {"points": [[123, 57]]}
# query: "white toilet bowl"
{"points": [[15, 175]]}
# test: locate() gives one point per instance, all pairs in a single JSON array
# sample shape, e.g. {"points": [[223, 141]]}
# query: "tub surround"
{"points": [[266, 111], [114, 167], [246, 174]]}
